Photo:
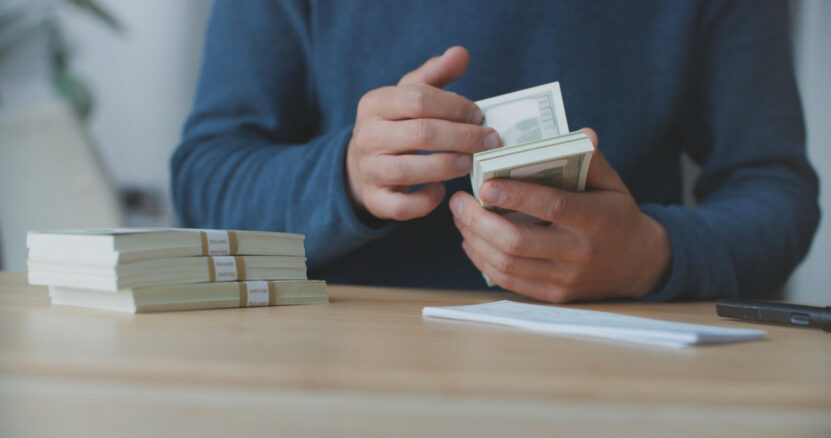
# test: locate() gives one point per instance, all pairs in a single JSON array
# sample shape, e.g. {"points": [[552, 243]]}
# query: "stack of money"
{"points": [[161, 269], [536, 144]]}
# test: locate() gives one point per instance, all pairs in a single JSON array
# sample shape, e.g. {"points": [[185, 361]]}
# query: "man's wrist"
{"points": [[658, 257]]}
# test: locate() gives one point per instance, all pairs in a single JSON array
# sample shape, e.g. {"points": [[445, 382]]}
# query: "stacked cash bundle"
{"points": [[536, 144], [158, 269]]}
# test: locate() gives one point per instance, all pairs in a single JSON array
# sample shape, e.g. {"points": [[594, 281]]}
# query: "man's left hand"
{"points": [[598, 244]]}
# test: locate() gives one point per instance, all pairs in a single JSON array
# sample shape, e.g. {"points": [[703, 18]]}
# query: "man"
{"points": [[317, 118]]}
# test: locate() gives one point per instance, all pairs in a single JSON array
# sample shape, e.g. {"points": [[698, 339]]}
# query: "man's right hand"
{"points": [[394, 123]]}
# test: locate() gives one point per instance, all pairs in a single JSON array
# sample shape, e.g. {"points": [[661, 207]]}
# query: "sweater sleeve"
{"points": [[757, 194], [252, 155]]}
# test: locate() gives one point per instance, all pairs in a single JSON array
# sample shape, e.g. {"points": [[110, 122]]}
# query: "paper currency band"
{"points": [[239, 264], [243, 294], [233, 243]]}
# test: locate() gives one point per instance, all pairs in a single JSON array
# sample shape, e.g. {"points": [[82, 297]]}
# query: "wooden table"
{"points": [[368, 364]]}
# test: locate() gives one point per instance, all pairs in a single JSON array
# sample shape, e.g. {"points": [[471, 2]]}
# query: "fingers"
{"points": [[388, 147], [377, 159], [540, 278], [389, 204], [542, 202], [441, 70], [418, 101], [592, 136], [601, 175], [532, 288], [511, 264], [427, 135], [405, 170], [526, 240]]}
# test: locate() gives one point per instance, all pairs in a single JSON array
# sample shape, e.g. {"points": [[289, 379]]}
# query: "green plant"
{"points": [[68, 85]]}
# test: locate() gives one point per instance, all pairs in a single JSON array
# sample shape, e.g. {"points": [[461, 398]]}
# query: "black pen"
{"points": [[780, 313]]}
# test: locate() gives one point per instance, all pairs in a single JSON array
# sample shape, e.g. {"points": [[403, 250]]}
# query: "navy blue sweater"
{"points": [[265, 145]]}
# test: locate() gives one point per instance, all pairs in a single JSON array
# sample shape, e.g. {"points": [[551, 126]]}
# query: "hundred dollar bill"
{"points": [[527, 115], [561, 162], [536, 144]]}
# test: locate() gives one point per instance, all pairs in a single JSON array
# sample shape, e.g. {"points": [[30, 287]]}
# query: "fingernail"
{"points": [[493, 195], [465, 162], [492, 141], [456, 206], [476, 116]]}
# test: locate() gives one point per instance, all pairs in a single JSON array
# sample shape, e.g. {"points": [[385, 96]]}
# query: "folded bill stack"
{"points": [[536, 144], [163, 269]]}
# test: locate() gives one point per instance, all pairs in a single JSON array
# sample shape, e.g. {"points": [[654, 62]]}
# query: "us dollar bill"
{"points": [[536, 144], [561, 162], [527, 115]]}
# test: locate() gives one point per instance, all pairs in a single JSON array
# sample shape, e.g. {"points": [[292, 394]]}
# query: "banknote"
{"points": [[536, 144], [561, 162], [537, 172], [527, 115]]}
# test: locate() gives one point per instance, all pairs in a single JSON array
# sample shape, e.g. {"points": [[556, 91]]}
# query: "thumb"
{"points": [[601, 175], [440, 70]]}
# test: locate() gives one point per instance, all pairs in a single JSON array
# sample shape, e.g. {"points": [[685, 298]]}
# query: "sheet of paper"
{"points": [[566, 321]]}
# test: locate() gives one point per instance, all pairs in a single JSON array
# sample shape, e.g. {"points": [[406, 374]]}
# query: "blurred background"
{"points": [[93, 95]]}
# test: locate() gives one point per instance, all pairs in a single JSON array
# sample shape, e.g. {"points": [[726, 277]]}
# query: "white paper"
{"points": [[219, 243], [561, 320], [225, 268], [257, 293]]}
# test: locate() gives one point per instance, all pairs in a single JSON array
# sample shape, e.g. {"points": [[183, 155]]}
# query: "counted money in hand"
{"points": [[536, 145]]}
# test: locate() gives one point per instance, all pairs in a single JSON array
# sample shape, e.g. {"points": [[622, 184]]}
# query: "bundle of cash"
{"points": [[162, 269], [536, 144]]}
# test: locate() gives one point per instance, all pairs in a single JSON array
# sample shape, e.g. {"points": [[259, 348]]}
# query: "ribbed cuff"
{"points": [[355, 226], [677, 281]]}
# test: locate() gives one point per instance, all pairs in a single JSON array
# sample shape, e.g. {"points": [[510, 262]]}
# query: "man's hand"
{"points": [[394, 123], [598, 243]]}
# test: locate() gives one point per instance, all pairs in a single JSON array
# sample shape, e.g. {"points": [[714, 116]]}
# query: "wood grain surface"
{"points": [[368, 364]]}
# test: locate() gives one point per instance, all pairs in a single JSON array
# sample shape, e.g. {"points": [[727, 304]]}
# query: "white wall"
{"points": [[143, 83], [811, 283]]}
